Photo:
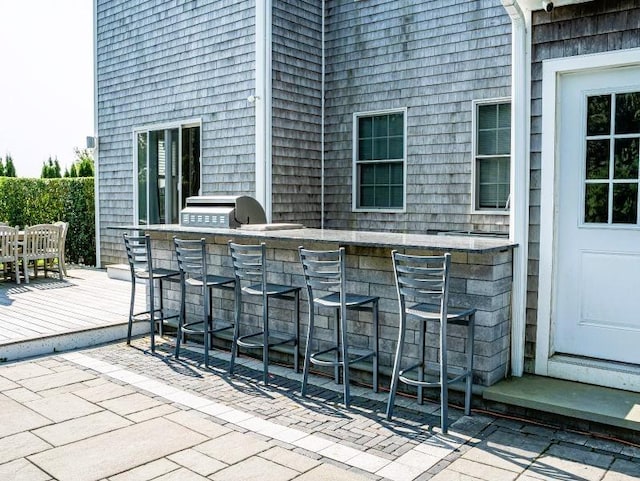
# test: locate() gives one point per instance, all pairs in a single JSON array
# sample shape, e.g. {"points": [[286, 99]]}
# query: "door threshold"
{"points": [[616, 375]]}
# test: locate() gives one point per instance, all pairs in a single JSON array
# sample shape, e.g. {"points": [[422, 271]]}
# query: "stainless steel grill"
{"points": [[228, 211]]}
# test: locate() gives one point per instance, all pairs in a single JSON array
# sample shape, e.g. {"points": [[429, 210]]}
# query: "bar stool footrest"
{"points": [[274, 340], [410, 375], [145, 315], [192, 327], [355, 355]]}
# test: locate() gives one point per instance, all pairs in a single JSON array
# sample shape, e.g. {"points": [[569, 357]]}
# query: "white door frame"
{"points": [[591, 371]]}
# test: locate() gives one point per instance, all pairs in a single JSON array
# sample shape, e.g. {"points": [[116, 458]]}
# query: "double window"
{"points": [[167, 165], [379, 151], [492, 155]]}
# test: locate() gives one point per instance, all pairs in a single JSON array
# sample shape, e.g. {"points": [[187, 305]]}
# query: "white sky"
{"points": [[46, 81]]}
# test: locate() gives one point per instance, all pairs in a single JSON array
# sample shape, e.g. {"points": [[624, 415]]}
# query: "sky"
{"points": [[46, 81]]}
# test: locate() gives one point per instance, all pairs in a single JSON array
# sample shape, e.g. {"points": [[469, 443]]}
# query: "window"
{"points": [[379, 152], [492, 155], [167, 166]]}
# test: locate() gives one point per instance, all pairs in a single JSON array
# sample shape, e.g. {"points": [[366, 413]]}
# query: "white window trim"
{"points": [[354, 161], [159, 126], [474, 143]]}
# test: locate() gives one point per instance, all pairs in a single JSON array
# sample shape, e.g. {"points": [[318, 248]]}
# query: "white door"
{"points": [[596, 291]]}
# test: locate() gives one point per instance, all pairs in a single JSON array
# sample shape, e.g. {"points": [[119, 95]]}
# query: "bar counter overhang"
{"points": [[481, 277]]}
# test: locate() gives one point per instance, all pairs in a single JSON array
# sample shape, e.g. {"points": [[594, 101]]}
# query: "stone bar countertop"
{"points": [[481, 244]]}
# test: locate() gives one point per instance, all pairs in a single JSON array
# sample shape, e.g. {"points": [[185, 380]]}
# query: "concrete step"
{"points": [[119, 271], [584, 402]]}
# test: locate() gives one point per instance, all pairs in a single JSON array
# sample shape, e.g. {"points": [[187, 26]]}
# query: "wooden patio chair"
{"points": [[9, 250], [62, 261], [40, 241]]}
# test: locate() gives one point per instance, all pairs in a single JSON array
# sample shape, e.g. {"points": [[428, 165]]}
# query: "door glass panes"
{"points": [[597, 159], [628, 113], [612, 159], [380, 161], [168, 168], [599, 115]]}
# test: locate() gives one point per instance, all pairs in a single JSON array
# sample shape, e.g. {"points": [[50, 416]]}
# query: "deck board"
{"points": [[86, 299]]}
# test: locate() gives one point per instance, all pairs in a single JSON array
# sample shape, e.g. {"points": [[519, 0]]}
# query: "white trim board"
{"points": [[545, 362]]}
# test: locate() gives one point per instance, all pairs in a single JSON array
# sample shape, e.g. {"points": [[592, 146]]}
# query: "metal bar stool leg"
{"points": [[376, 344], [265, 334], [236, 327], [444, 378], [421, 352], [296, 352], [469, 349], [396, 368], [345, 356], [152, 314], [131, 306], [181, 316], [307, 353]]}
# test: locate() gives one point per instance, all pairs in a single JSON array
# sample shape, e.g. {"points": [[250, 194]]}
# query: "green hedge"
{"points": [[36, 201]]}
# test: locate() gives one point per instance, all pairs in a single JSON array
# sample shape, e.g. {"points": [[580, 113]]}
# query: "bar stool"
{"points": [[325, 270], [192, 263], [249, 265], [423, 289], [141, 265]]}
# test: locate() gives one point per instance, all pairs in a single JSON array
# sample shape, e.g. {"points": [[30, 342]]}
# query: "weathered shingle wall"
{"points": [[433, 57], [297, 93], [587, 28], [164, 61]]}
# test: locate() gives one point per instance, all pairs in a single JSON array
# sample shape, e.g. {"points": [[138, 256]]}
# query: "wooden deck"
{"points": [[50, 315]]}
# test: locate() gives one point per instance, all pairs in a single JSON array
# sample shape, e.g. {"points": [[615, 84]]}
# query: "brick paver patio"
{"points": [[120, 413]]}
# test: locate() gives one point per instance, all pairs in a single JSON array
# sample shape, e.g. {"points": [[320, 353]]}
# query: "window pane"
{"points": [[599, 115], [365, 149], [382, 196], [396, 196], [628, 113], [190, 163], [380, 149], [381, 126], [367, 174], [365, 127], [396, 148], [503, 145], [487, 142], [597, 161], [366, 196], [504, 115], [625, 163], [487, 116], [488, 196], [142, 178], [382, 174], [396, 124], [625, 203], [596, 203], [397, 176]]}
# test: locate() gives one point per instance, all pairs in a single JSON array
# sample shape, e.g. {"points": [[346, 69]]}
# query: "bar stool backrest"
{"points": [[249, 262], [323, 270], [138, 253], [422, 279], [192, 257]]}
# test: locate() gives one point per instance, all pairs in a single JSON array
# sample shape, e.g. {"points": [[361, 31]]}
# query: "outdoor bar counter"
{"points": [[481, 277]]}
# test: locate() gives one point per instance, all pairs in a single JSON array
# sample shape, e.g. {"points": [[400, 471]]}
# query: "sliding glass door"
{"points": [[167, 168]]}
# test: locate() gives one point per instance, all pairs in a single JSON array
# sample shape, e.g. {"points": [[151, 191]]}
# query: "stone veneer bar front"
{"points": [[481, 277]]}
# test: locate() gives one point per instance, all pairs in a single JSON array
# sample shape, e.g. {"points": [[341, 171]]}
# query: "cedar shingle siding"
{"points": [[587, 28], [434, 58], [166, 61]]}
